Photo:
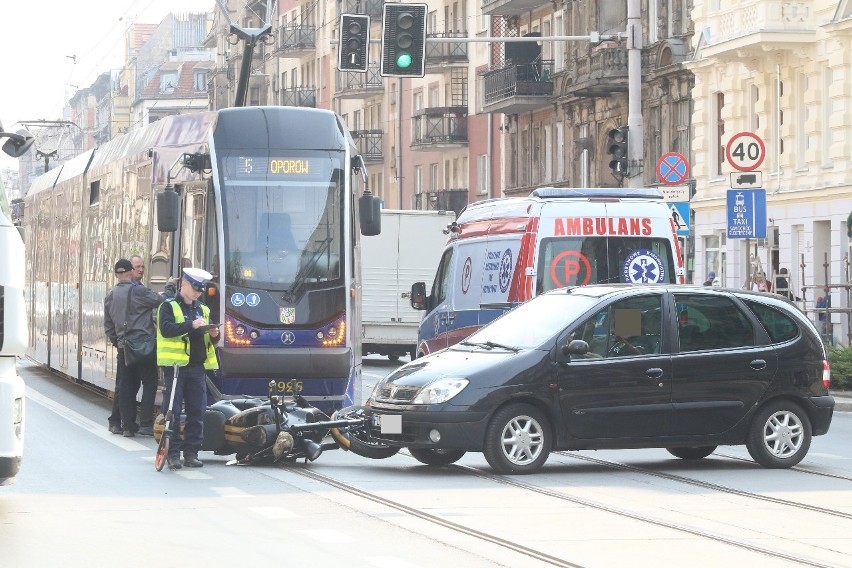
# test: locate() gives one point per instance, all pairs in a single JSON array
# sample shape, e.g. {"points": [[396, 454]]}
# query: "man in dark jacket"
{"points": [[122, 320]]}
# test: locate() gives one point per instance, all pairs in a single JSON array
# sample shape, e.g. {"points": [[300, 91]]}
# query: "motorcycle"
{"points": [[281, 428]]}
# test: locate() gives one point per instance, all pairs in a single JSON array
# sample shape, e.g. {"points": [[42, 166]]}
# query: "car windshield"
{"points": [[531, 324]]}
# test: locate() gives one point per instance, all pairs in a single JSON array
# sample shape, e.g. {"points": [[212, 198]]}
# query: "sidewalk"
{"points": [[842, 401]]}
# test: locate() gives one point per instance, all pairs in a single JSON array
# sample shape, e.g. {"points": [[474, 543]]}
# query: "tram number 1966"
{"points": [[290, 387]]}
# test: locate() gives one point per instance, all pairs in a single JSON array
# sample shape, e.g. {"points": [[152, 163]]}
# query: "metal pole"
{"points": [[635, 137]]}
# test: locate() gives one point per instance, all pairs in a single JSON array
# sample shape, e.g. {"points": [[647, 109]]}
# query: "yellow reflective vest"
{"points": [[175, 350]]}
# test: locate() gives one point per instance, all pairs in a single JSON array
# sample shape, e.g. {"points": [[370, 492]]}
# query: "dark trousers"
{"points": [[141, 374], [191, 392], [115, 416]]}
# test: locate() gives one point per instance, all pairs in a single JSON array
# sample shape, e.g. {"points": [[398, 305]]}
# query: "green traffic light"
{"points": [[403, 61]]}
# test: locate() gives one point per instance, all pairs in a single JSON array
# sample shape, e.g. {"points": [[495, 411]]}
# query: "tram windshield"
{"points": [[283, 218]]}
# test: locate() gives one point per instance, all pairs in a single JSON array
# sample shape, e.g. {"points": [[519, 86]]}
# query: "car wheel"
{"points": [[393, 358], [780, 435], [518, 440], [431, 456], [696, 453]]}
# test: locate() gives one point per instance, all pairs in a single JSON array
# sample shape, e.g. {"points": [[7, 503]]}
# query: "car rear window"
{"points": [[779, 326]]}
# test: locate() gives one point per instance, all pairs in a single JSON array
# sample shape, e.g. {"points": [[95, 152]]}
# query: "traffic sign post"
{"points": [[746, 213], [672, 168], [745, 151]]}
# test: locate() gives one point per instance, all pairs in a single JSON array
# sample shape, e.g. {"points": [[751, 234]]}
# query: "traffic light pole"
{"points": [[634, 94]]}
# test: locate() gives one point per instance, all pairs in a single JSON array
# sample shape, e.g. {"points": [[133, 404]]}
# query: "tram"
{"points": [[272, 201]]}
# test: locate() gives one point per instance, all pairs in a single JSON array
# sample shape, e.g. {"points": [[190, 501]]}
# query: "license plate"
{"points": [[388, 423]]}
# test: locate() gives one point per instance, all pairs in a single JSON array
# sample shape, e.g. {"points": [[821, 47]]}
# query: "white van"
{"points": [[502, 252]]}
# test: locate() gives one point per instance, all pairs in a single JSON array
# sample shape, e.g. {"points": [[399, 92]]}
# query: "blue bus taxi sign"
{"points": [[746, 213]]}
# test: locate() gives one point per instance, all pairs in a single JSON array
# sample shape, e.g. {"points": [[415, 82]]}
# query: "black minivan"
{"points": [[616, 366]]}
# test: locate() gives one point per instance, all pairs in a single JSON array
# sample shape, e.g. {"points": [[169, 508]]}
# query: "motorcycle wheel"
{"points": [[357, 440]]}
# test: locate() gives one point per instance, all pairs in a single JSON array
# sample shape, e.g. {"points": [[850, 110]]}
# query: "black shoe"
{"points": [[129, 433], [174, 462], [190, 460], [145, 431], [114, 429]]}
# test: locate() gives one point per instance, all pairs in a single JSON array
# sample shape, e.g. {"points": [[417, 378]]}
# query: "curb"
{"points": [[842, 402]]}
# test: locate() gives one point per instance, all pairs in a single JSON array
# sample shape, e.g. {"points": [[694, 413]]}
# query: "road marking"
{"points": [[329, 536], [274, 512], [232, 492], [189, 474], [92, 427], [390, 562]]}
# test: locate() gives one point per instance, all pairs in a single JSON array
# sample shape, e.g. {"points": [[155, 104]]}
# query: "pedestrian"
{"points": [[822, 303], [185, 339], [128, 314], [711, 277], [760, 284], [782, 284]]}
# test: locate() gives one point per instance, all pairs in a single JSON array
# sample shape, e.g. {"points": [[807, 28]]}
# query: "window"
{"points": [[627, 328], [168, 82], [711, 322], [442, 278], [779, 326], [482, 174], [418, 180], [200, 81], [433, 177]]}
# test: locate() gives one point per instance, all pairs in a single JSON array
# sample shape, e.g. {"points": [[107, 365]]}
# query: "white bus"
{"points": [[13, 325]]}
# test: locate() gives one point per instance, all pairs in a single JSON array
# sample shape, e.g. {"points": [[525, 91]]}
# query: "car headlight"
{"points": [[440, 391]]}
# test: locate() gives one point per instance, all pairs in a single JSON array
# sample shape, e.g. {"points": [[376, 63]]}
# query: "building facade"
{"points": [[783, 71]]}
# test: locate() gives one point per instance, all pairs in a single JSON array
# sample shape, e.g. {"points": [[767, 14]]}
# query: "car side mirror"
{"points": [[576, 347], [418, 297]]}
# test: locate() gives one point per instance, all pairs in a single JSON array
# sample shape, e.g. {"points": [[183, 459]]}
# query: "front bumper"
{"points": [[458, 430]]}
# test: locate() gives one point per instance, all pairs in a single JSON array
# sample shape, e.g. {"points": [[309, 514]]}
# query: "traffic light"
{"points": [[354, 43], [403, 40], [617, 148]]}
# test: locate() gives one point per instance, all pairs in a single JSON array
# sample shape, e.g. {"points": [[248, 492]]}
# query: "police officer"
{"points": [[185, 339]]}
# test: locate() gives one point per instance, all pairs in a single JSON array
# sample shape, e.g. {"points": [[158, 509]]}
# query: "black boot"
{"points": [[191, 460], [174, 462]]}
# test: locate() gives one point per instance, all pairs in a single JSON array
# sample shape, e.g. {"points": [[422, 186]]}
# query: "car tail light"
{"points": [[826, 375]]}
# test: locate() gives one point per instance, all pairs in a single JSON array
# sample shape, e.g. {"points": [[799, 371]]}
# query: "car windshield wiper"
{"points": [[473, 344], [307, 268], [501, 346]]}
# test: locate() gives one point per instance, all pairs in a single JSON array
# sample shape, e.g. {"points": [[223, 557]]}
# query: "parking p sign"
{"points": [[746, 213]]}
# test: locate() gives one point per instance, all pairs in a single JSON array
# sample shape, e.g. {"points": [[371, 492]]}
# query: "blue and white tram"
{"points": [[267, 199]]}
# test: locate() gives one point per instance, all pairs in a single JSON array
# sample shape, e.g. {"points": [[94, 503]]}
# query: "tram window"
{"points": [[211, 252]]}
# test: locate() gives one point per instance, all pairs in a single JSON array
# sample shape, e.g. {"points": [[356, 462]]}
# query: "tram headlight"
{"points": [[236, 334], [334, 335]]}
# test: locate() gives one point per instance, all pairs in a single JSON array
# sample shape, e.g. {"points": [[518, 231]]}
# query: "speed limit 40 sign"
{"points": [[745, 151]]}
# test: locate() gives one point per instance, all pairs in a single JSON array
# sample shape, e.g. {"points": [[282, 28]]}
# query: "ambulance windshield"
{"points": [[578, 260]]}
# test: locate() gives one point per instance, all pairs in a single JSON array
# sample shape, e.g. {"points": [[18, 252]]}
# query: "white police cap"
{"points": [[198, 277]]}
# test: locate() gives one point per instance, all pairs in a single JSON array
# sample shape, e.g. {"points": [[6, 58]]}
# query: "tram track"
{"points": [[593, 505], [713, 486]]}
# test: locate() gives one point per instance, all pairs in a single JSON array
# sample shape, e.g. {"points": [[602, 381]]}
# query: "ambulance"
{"points": [[502, 252]]}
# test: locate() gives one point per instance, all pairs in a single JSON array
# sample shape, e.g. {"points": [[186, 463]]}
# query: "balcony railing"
{"points": [[518, 88], [295, 40], [353, 85], [753, 23], [511, 7], [299, 97], [447, 200], [443, 53], [372, 8], [439, 127], [596, 73], [370, 144]]}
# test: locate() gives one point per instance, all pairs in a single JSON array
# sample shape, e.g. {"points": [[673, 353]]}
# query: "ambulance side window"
{"points": [[442, 279]]}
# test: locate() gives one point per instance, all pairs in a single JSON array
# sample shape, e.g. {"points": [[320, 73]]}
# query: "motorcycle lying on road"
{"points": [[281, 428]]}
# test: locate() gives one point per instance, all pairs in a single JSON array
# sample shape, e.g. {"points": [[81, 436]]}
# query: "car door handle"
{"points": [[758, 364], [654, 373]]}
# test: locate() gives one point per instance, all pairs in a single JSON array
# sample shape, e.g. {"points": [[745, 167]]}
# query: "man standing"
{"points": [[185, 340], [128, 313]]}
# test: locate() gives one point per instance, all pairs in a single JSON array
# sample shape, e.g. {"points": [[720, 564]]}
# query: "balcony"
{"points": [[594, 73], [299, 97], [372, 8], [445, 54], [758, 27], [511, 7], [370, 144], [447, 200], [439, 128], [521, 88], [294, 40], [353, 85]]}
